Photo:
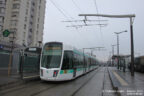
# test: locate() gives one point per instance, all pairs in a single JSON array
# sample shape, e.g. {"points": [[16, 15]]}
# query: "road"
{"points": [[91, 84]]}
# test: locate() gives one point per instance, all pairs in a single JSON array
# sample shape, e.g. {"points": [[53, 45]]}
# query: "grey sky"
{"points": [[86, 37]]}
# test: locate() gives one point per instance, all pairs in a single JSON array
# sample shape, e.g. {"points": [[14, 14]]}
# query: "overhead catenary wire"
{"points": [[77, 20], [59, 9], [87, 25], [96, 6], [97, 11], [85, 21], [78, 26], [77, 6], [100, 28], [63, 13]]}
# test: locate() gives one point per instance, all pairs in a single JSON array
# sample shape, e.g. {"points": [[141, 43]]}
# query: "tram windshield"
{"points": [[51, 55]]}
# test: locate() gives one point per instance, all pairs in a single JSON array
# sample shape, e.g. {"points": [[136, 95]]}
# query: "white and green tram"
{"points": [[60, 62]]}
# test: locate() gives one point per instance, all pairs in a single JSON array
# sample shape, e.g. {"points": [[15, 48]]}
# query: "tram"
{"points": [[60, 62]]}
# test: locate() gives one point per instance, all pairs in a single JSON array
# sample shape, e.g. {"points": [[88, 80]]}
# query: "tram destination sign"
{"points": [[52, 48]]}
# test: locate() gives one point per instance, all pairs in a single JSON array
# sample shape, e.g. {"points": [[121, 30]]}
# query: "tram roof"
{"points": [[69, 47]]}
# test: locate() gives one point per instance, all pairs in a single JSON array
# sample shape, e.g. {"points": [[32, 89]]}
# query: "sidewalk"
{"points": [[125, 84], [15, 79], [7, 81]]}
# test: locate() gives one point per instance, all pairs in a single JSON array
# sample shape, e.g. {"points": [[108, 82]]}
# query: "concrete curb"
{"points": [[114, 82]]}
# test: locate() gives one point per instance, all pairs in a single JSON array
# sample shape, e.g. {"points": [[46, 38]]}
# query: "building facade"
{"points": [[25, 19], [2, 15]]}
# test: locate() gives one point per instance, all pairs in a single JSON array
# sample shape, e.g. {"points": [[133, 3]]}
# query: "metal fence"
{"points": [[4, 61], [25, 65]]}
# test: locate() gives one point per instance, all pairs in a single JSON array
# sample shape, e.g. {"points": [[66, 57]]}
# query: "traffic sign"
{"points": [[6, 33]]}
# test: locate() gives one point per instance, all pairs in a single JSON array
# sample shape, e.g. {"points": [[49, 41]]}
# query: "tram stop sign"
{"points": [[6, 33]]}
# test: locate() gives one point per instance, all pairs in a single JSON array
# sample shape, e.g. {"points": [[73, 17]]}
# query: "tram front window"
{"points": [[51, 56], [51, 61]]}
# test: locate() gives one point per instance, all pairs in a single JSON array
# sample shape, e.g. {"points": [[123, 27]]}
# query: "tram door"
{"points": [[84, 64], [74, 73], [74, 64]]}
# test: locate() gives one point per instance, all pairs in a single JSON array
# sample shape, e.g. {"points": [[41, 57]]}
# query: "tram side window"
{"points": [[67, 60], [75, 61], [86, 61], [89, 62], [92, 60], [78, 61]]}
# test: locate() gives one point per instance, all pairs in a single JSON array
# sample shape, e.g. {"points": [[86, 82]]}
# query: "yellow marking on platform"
{"points": [[30, 77], [122, 81]]}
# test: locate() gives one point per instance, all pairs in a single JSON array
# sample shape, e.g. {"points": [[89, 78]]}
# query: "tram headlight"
{"points": [[55, 73]]}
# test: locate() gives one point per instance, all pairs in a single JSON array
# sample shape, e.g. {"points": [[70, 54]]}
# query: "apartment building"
{"points": [[25, 19], [2, 14]]}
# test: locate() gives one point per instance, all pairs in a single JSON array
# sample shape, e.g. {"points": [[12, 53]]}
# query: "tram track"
{"points": [[40, 87], [104, 82], [20, 87], [73, 94], [46, 89], [33, 93], [39, 92]]}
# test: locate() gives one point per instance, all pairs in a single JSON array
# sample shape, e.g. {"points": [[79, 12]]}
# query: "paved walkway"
{"points": [[14, 79], [6, 80], [125, 84]]}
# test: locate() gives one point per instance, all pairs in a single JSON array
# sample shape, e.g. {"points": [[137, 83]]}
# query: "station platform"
{"points": [[125, 84]]}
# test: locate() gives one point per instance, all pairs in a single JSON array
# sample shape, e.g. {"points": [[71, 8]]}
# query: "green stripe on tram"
{"points": [[67, 71], [70, 71], [79, 69], [62, 71]]}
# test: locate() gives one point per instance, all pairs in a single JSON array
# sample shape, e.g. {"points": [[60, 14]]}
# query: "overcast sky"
{"points": [[91, 36]]}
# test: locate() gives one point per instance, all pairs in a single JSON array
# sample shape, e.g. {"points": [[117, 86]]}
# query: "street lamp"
{"points": [[117, 33], [113, 48]]}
